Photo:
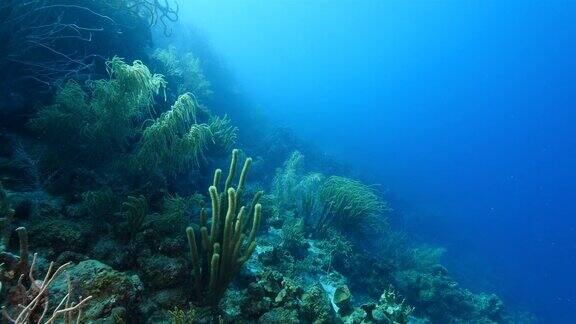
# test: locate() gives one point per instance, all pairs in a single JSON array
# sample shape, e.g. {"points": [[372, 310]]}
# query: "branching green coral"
{"points": [[285, 183], [107, 116], [336, 202], [223, 132], [168, 57], [196, 81], [66, 117], [176, 214], [295, 190], [98, 203], [170, 126], [174, 140], [177, 206], [224, 245], [103, 117], [187, 71], [347, 202], [126, 97], [135, 211], [138, 78]]}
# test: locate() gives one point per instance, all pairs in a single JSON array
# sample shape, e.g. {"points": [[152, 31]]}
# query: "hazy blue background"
{"points": [[464, 110]]}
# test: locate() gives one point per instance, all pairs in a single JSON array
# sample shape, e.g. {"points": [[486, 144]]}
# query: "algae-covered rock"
{"points": [[357, 316], [157, 303], [390, 310], [343, 300], [159, 306], [280, 315], [268, 255], [114, 293], [290, 294], [59, 235], [36, 204], [111, 252], [438, 297], [69, 256], [316, 306], [160, 271], [254, 308]]}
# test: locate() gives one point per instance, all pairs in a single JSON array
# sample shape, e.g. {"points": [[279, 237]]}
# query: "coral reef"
{"points": [[106, 177]]}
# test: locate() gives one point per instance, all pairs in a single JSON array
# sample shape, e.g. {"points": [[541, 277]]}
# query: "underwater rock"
{"points": [[357, 316], [343, 300], [6, 219], [267, 255], [316, 306], [270, 283], [160, 271], [389, 310], [169, 298], [36, 204], [280, 315], [262, 294], [172, 246], [254, 308], [439, 270], [111, 290], [69, 256], [230, 304], [438, 297], [117, 315], [489, 306], [290, 294], [160, 317], [156, 305], [59, 235], [111, 252]]}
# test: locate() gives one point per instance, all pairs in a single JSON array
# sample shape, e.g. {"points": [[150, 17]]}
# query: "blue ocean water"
{"points": [[463, 111]]}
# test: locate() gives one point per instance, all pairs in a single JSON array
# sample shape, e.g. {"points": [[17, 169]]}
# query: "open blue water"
{"points": [[464, 111]]}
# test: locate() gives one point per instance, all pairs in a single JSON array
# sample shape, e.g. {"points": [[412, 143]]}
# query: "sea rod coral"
{"points": [[224, 248]]}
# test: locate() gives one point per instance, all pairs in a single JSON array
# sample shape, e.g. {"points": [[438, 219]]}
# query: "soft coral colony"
{"points": [[112, 179]]}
